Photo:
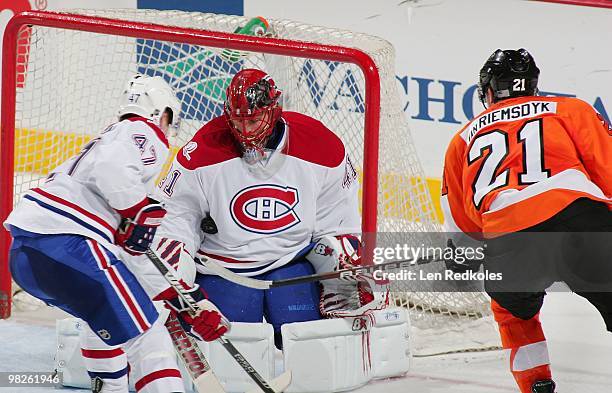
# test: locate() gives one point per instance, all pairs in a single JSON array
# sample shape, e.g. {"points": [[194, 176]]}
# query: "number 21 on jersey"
{"points": [[498, 142]]}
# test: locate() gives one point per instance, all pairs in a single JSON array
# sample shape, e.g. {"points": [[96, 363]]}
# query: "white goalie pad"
{"points": [[68, 358], [390, 339], [256, 342], [334, 355], [326, 355]]}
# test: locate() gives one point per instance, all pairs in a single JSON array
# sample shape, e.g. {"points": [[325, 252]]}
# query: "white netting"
{"points": [[71, 81]]}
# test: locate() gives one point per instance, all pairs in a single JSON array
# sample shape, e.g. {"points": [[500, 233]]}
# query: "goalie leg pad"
{"points": [[346, 353], [390, 337], [72, 334], [327, 355], [82, 356], [256, 342]]}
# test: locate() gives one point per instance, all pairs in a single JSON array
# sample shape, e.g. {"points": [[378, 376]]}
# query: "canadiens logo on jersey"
{"points": [[266, 208]]}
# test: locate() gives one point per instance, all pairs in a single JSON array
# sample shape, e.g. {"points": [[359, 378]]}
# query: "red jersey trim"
{"points": [[212, 144], [75, 207], [122, 290], [308, 140], [131, 212], [222, 258]]}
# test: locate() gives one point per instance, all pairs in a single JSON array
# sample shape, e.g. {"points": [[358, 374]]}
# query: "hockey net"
{"points": [[71, 67]]}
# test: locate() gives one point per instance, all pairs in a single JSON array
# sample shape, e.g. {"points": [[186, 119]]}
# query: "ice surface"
{"points": [[580, 350]]}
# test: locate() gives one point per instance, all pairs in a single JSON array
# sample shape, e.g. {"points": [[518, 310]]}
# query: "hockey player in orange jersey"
{"points": [[532, 176]]}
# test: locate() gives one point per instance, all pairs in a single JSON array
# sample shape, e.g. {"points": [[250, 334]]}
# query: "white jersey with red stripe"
{"points": [[114, 172], [267, 212]]}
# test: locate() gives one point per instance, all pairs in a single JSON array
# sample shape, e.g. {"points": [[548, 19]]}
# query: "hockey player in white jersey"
{"points": [[271, 194], [71, 233]]}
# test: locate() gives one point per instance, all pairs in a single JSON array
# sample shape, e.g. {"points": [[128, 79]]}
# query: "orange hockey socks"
{"points": [[525, 339]]}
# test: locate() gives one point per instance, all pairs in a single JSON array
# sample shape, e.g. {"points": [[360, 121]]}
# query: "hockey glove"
{"points": [[343, 298], [136, 234], [457, 262], [207, 325]]}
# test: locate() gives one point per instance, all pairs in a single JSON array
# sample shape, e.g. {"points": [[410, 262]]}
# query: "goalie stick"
{"points": [[342, 274], [277, 385]]}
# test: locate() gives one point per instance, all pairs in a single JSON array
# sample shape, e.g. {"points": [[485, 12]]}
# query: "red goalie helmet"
{"points": [[251, 107]]}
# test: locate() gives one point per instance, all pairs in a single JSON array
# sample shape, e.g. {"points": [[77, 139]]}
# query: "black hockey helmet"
{"points": [[509, 73]]}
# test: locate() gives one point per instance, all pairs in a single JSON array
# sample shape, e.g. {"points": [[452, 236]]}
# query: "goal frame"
{"points": [[222, 40]]}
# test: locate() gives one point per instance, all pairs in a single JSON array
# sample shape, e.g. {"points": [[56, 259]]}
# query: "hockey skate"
{"points": [[545, 386]]}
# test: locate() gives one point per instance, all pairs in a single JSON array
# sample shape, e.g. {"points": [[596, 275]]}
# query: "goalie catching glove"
{"points": [[136, 232], [348, 297], [207, 325]]}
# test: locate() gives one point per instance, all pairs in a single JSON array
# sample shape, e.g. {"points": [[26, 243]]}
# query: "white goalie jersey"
{"points": [[265, 213], [114, 172]]}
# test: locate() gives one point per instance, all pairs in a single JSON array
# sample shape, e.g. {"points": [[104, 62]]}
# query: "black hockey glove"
{"points": [[456, 260]]}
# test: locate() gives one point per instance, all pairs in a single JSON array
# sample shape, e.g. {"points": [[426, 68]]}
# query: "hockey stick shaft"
{"points": [[344, 273], [168, 274]]}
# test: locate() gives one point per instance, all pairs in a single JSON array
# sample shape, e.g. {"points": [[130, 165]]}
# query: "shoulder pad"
{"points": [[212, 144], [311, 141]]}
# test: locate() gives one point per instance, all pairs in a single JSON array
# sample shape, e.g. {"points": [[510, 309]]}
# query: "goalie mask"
{"points": [[252, 109], [150, 97], [509, 73]]}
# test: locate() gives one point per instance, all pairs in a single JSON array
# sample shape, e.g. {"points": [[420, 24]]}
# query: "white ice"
{"points": [[580, 351]]}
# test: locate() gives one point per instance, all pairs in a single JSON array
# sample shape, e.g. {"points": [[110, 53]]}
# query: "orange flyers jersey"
{"points": [[523, 160]]}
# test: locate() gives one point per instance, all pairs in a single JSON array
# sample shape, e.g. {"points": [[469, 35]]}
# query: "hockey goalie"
{"points": [[272, 194]]}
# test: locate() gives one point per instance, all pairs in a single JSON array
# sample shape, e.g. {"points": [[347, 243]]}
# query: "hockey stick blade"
{"points": [[168, 273], [279, 384], [344, 273]]}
